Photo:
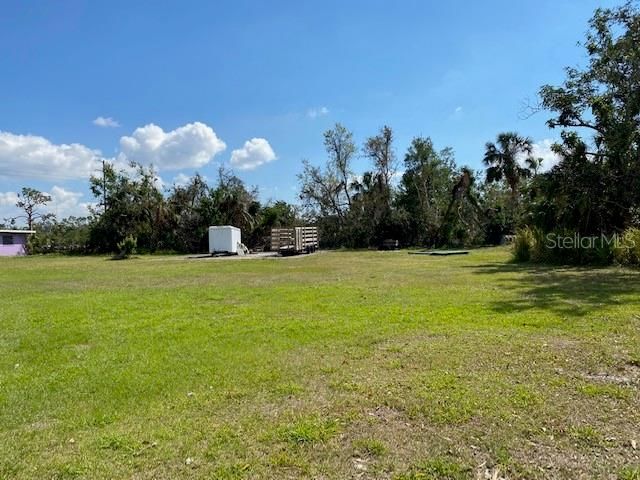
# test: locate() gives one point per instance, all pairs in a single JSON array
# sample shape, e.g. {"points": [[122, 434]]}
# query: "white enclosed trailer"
{"points": [[224, 239]]}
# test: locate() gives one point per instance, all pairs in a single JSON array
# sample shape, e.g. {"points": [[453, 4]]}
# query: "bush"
{"points": [[563, 247], [127, 246], [523, 245], [627, 248]]}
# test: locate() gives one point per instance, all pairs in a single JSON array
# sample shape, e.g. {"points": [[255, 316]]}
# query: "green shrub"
{"points": [[563, 247], [601, 254], [627, 249], [523, 245], [127, 246], [539, 250]]}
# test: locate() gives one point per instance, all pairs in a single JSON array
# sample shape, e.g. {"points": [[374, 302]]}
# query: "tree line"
{"points": [[425, 199], [424, 196], [431, 202], [131, 204], [592, 191]]}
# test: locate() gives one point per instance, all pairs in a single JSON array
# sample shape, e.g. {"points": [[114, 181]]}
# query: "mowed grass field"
{"points": [[330, 366]]}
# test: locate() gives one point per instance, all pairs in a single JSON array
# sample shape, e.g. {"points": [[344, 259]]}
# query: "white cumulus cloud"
{"points": [[317, 112], [542, 149], [190, 146], [8, 198], [65, 203], [31, 156], [106, 122], [181, 180], [8, 208], [254, 153]]}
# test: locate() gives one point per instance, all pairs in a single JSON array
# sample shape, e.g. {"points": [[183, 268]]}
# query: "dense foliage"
{"points": [[134, 206], [594, 190], [426, 199], [134, 213], [595, 187]]}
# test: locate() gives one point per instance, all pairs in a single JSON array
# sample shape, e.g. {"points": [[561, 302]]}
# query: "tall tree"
{"points": [[326, 191], [379, 149], [233, 203], [30, 200], [338, 142], [598, 110], [503, 160], [322, 191], [189, 215], [462, 219], [425, 188]]}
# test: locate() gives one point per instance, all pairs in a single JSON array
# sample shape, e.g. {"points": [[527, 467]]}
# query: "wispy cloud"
{"points": [[317, 112], [457, 113], [106, 122]]}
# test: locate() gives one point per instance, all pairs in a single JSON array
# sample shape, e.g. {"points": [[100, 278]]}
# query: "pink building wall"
{"points": [[18, 247]]}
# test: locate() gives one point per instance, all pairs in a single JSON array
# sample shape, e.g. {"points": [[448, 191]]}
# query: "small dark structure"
{"points": [[390, 244]]}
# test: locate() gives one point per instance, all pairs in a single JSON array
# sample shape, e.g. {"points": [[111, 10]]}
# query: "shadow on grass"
{"points": [[565, 290]]}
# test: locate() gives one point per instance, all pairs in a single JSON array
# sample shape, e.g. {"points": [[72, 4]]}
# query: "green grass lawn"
{"points": [[336, 365]]}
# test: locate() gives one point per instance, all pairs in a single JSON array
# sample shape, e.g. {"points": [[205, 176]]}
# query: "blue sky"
{"points": [[188, 83]]}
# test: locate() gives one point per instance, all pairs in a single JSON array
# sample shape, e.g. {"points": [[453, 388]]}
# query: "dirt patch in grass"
{"points": [[627, 373]]}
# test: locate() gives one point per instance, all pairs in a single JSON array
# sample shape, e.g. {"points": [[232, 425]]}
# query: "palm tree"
{"points": [[503, 160]]}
